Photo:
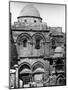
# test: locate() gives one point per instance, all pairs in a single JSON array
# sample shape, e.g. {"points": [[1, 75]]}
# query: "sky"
{"points": [[53, 15]]}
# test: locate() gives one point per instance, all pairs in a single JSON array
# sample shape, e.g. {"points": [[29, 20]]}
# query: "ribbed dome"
{"points": [[29, 10]]}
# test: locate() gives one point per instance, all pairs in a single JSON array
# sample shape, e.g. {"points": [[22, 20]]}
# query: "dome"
{"points": [[59, 52], [29, 10], [59, 49]]}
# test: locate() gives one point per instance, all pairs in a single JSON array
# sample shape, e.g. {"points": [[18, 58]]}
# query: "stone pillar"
{"points": [[21, 83], [16, 67], [12, 78]]}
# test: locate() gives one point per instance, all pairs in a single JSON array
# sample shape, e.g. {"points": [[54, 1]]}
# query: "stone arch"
{"points": [[24, 63], [55, 39], [38, 35], [60, 76], [22, 36], [25, 76], [60, 80], [38, 40], [38, 69], [38, 64]]}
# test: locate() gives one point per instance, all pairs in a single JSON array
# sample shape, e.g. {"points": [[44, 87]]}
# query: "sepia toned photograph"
{"points": [[37, 44]]}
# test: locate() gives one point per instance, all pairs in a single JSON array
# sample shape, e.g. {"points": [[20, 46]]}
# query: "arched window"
{"points": [[37, 45], [53, 43], [38, 40], [24, 42], [23, 39]]}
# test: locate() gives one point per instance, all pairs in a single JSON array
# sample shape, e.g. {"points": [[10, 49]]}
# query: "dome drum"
{"points": [[29, 16]]}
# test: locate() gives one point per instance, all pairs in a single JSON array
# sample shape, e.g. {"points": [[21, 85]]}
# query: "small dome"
{"points": [[59, 49], [29, 10]]}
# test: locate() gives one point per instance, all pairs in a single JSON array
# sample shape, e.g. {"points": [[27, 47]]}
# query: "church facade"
{"points": [[37, 51]]}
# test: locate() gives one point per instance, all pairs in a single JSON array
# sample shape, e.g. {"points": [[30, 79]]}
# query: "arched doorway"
{"points": [[24, 75], [38, 73]]}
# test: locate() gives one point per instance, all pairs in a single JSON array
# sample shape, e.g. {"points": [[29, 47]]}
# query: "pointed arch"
{"points": [[23, 37], [60, 80], [38, 35], [27, 65], [37, 65]]}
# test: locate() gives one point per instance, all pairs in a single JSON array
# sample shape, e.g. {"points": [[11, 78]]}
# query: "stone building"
{"points": [[37, 51]]}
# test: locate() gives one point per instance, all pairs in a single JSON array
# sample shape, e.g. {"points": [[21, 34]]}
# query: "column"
{"points": [[16, 67], [12, 78]]}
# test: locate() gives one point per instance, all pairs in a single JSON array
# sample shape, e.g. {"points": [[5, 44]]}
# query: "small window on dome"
{"points": [[35, 21], [25, 20]]}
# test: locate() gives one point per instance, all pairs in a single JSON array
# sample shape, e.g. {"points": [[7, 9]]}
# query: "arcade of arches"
{"points": [[29, 74]]}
